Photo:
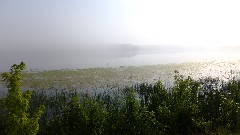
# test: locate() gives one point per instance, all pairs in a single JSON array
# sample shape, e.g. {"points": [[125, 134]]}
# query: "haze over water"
{"points": [[90, 33], [113, 56]]}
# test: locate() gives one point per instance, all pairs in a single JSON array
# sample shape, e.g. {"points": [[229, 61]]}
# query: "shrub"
{"points": [[18, 119]]}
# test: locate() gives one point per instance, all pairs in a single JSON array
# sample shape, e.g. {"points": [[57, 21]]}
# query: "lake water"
{"points": [[99, 79], [128, 55], [75, 59]]}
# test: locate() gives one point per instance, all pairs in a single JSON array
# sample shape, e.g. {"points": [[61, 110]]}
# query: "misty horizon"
{"points": [[107, 56], [89, 33]]}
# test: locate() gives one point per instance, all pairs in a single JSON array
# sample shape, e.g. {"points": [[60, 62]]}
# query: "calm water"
{"points": [[225, 68], [49, 60]]}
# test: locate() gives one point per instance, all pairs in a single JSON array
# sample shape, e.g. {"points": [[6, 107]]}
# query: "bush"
{"points": [[18, 119]]}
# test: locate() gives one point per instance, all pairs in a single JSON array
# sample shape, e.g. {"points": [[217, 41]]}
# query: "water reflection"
{"points": [[112, 56]]}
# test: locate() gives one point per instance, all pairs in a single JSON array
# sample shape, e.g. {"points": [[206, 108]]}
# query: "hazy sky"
{"points": [[73, 23], [50, 34]]}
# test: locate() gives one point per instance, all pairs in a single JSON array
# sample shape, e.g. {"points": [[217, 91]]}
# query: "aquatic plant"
{"points": [[204, 106]]}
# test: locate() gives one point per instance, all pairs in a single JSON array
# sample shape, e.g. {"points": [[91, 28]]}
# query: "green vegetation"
{"points": [[17, 120], [108, 78], [204, 106]]}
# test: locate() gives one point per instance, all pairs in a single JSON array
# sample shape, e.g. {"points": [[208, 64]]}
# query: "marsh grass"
{"points": [[204, 106]]}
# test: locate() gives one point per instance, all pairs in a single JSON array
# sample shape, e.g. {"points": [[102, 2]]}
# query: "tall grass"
{"points": [[205, 106], [208, 106]]}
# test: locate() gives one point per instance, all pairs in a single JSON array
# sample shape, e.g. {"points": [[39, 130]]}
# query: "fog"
{"points": [[111, 56], [52, 34]]}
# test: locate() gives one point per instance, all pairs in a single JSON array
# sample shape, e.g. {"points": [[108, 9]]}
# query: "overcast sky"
{"points": [[74, 23]]}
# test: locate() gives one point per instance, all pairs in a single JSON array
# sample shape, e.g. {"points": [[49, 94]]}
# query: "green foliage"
{"points": [[3, 116], [19, 120], [88, 118], [138, 120], [205, 106], [189, 107]]}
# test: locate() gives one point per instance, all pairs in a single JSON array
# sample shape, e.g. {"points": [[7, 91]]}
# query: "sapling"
{"points": [[19, 120]]}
